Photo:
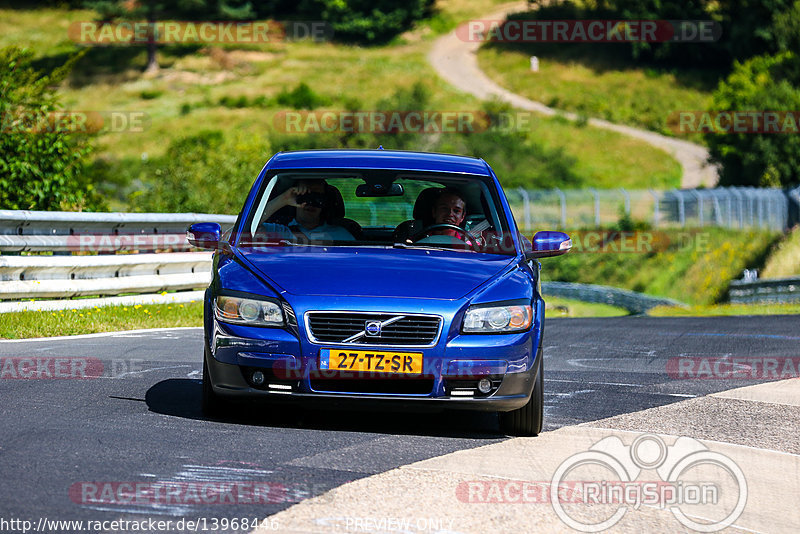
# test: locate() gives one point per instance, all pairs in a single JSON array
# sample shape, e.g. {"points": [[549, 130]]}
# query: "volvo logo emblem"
{"points": [[372, 328]]}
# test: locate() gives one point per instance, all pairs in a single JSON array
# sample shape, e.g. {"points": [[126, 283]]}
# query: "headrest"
{"points": [[425, 203]]}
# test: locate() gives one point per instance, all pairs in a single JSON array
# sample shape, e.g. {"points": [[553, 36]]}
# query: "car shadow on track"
{"points": [[180, 397]]}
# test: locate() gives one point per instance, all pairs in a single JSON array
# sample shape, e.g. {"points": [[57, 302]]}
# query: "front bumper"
{"points": [[234, 352]]}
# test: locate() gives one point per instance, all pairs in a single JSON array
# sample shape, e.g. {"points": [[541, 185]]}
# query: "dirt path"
{"points": [[456, 61]]}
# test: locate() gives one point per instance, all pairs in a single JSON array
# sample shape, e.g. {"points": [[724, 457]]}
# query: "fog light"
{"points": [[484, 385], [257, 378]]}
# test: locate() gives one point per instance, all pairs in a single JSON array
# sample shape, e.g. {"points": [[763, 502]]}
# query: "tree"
{"points": [[157, 10], [367, 21], [42, 160], [763, 83]]}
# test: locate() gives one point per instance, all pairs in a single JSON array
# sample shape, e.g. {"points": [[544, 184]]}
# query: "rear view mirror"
{"points": [[549, 243], [379, 190]]}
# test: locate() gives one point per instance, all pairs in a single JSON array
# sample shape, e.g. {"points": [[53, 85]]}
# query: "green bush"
{"points": [[301, 97], [150, 94], [202, 173], [41, 163], [367, 21]]}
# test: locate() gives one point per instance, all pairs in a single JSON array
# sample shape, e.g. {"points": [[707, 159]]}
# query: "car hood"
{"points": [[402, 273]]}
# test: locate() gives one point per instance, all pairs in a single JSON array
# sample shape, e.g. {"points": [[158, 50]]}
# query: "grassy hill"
{"points": [[238, 90]]}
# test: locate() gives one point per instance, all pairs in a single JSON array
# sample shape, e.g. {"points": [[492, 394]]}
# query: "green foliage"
{"points": [[41, 162], [783, 259], [163, 9], [367, 21], [301, 97], [749, 27], [694, 266], [767, 83], [156, 10], [151, 94], [202, 173]]}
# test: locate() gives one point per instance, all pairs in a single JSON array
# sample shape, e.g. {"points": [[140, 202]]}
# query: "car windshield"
{"points": [[379, 208]]}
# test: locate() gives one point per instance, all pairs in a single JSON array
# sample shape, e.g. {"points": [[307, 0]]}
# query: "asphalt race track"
{"points": [[140, 420]]}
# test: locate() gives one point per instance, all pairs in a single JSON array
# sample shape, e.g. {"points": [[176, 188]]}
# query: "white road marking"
{"points": [[120, 333]]}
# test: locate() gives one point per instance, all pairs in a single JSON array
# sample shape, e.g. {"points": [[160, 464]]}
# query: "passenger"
{"points": [[310, 220]]}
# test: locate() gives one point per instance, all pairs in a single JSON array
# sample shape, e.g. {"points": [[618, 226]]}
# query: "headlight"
{"points": [[248, 311], [498, 319]]}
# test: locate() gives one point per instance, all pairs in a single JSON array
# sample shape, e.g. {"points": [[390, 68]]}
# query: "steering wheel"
{"points": [[470, 239]]}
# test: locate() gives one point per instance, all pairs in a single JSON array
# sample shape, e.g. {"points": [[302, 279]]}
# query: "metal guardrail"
{"points": [[728, 207], [74, 276], [622, 298], [24, 222], [773, 291], [42, 231], [85, 260]]}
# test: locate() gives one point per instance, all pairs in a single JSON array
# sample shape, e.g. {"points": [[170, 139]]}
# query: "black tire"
{"points": [[212, 404], [527, 421]]}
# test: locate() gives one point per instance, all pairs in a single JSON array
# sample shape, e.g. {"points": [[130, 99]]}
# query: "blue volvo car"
{"points": [[377, 276]]}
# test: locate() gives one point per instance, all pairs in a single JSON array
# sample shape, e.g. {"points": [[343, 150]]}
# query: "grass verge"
{"points": [[29, 324], [691, 266], [784, 261], [726, 310], [560, 307], [573, 78]]}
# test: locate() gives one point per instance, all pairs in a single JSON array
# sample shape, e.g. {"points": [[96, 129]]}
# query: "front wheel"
{"points": [[527, 421]]}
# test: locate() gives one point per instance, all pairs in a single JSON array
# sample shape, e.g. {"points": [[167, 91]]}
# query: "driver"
{"points": [[310, 219], [449, 208]]}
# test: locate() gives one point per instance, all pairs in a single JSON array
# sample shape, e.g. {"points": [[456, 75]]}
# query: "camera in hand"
{"points": [[316, 200]]}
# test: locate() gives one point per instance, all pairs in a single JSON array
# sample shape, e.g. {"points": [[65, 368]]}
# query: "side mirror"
{"points": [[549, 243], [204, 235]]}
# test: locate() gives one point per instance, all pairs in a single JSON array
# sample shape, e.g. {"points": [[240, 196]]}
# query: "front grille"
{"points": [[396, 328]]}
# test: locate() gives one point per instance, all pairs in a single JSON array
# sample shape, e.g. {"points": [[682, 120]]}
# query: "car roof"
{"points": [[378, 159]]}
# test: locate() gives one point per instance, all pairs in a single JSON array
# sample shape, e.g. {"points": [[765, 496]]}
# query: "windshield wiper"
{"points": [[428, 246]]}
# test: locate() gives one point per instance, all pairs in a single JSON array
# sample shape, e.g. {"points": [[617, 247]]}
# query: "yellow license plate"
{"points": [[371, 361]]}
